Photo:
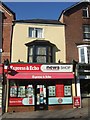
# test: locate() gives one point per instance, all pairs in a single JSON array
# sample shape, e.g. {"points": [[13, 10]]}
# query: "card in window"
{"points": [[21, 91], [13, 91], [30, 91], [67, 90]]}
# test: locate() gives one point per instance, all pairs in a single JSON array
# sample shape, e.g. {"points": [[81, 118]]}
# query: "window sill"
{"points": [[86, 40], [36, 38], [86, 17]]}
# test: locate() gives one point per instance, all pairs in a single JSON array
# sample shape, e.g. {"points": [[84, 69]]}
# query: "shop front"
{"points": [[32, 87]]}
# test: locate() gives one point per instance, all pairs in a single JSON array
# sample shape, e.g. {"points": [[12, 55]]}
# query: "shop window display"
{"points": [[21, 93], [60, 94]]}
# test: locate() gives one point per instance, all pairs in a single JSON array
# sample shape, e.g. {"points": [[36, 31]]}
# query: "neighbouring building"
{"points": [[6, 18], [77, 39]]}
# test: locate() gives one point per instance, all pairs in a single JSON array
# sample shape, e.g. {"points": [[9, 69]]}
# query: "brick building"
{"points": [[77, 32], [7, 16], [77, 38]]}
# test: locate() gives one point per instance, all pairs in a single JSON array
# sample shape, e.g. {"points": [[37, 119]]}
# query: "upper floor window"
{"points": [[86, 32], [41, 51], [84, 53], [35, 32], [39, 54], [85, 12]]}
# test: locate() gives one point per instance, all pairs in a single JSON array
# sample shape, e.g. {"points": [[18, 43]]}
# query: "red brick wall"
{"points": [[7, 19], [74, 31]]}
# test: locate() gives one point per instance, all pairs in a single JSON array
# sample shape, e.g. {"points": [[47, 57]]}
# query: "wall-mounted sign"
{"points": [[59, 100], [57, 68], [77, 102], [21, 101], [59, 90], [41, 68], [41, 76]]}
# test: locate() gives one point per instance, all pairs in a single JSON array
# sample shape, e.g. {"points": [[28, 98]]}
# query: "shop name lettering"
{"points": [[16, 101], [44, 76], [57, 67], [24, 68]]}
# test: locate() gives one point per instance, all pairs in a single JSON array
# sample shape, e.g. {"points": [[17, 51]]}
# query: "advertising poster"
{"points": [[29, 91], [67, 90], [77, 102], [21, 101], [21, 91], [13, 91]]}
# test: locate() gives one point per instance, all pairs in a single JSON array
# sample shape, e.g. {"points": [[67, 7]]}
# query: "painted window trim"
{"points": [[34, 32], [85, 52], [87, 10]]}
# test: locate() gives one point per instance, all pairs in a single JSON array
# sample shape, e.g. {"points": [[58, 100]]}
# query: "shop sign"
{"points": [[59, 100], [41, 76], [41, 68], [77, 101], [21, 101], [57, 68]]}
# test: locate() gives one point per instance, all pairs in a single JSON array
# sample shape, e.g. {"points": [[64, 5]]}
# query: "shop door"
{"points": [[41, 100]]}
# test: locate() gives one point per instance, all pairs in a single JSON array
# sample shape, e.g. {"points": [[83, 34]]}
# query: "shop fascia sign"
{"points": [[41, 68]]}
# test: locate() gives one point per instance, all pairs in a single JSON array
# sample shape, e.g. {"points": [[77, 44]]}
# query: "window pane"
{"points": [[86, 31], [67, 90], [41, 51], [85, 12], [49, 51], [21, 91], [52, 90], [39, 32], [30, 59], [82, 55], [88, 54], [13, 89], [41, 59], [86, 35], [86, 28], [31, 32], [31, 51]]}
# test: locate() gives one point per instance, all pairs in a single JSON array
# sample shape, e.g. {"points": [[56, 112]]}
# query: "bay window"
{"points": [[41, 51], [84, 53], [39, 54]]}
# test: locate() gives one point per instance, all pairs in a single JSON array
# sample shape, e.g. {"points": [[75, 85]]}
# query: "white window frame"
{"points": [[86, 9], [84, 32], [85, 47], [34, 33]]}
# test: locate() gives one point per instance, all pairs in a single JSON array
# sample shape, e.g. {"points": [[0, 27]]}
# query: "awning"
{"points": [[41, 76]]}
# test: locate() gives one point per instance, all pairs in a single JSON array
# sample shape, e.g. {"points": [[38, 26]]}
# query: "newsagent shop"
{"points": [[32, 87]]}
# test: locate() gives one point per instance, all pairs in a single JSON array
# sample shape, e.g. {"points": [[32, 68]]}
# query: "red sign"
{"points": [[1, 68], [60, 90], [21, 101], [15, 101], [41, 68], [39, 71], [77, 102], [41, 76]]}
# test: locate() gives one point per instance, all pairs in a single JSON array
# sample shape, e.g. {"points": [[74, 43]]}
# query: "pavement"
{"points": [[76, 113], [66, 114]]}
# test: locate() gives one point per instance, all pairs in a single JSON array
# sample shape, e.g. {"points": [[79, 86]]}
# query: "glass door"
{"points": [[41, 100]]}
